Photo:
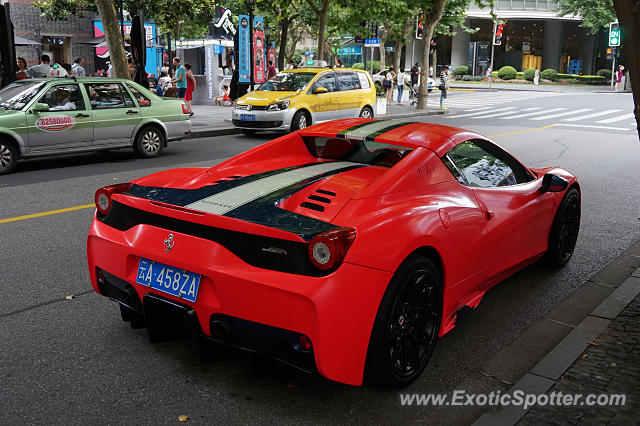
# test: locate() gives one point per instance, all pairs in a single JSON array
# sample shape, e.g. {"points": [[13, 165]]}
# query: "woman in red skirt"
{"points": [[191, 86]]}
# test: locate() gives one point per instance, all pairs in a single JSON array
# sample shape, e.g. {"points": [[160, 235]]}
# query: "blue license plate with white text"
{"points": [[168, 279], [247, 117]]}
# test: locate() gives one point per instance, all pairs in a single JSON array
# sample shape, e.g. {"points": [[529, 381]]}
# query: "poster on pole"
{"points": [[258, 49], [271, 55], [244, 53]]}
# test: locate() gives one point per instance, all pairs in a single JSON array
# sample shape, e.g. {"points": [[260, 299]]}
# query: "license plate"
{"points": [[247, 117], [175, 281]]}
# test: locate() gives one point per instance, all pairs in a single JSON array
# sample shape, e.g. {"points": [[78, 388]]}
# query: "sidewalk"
{"points": [[209, 121], [569, 88], [600, 355]]}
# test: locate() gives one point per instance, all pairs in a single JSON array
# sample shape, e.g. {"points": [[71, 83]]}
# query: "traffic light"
{"points": [[419, 25], [497, 34], [614, 34]]}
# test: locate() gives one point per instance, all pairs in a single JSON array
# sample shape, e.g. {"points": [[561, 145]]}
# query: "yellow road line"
{"points": [[522, 131], [50, 212], [463, 90]]}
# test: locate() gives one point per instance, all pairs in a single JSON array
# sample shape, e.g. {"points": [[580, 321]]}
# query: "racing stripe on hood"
{"points": [[372, 129], [233, 198]]}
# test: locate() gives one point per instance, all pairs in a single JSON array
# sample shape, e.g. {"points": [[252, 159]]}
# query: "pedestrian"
{"points": [[22, 67], [41, 70], [387, 84], [180, 78], [444, 83], [110, 71], [271, 70], [415, 73], [57, 70], [220, 100], [191, 86], [619, 75], [536, 77], [291, 65], [402, 80], [163, 83], [153, 81], [69, 69], [229, 62], [339, 63], [77, 67], [132, 68]]}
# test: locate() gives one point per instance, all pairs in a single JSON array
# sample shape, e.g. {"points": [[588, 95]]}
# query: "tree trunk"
{"points": [[322, 12], [117, 57], [628, 12], [430, 21], [383, 59], [408, 25], [284, 32]]}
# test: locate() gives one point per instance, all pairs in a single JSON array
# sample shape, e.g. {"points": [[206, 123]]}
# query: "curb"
{"points": [[209, 132], [558, 360]]}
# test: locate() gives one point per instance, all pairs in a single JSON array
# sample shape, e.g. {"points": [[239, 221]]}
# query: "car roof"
{"points": [[78, 79], [436, 137], [320, 69]]}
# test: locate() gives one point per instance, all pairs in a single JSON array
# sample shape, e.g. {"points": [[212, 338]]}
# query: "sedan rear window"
{"points": [[356, 151]]}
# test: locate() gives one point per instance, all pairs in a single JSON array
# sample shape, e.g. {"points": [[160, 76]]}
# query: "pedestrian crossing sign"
{"points": [[614, 34]]}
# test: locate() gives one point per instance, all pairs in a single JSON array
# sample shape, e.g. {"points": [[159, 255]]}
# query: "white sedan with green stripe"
{"points": [[51, 116]]}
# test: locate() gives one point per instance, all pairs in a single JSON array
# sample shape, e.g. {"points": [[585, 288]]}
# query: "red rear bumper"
{"points": [[336, 311]]}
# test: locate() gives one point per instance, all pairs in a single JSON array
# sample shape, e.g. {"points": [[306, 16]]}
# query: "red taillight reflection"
{"points": [[103, 195], [327, 250]]}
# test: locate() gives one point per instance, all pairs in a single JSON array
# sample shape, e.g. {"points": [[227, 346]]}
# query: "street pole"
{"points": [[251, 42], [493, 46], [613, 68]]}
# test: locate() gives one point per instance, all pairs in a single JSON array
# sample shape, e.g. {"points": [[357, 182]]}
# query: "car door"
{"points": [[115, 114], [349, 96], [323, 105], [517, 214], [66, 125]]}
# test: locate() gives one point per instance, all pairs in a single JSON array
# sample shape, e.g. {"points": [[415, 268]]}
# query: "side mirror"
{"points": [[40, 107], [320, 89], [553, 183]]}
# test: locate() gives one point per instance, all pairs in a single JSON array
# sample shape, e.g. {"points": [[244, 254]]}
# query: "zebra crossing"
{"points": [[504, 106]]}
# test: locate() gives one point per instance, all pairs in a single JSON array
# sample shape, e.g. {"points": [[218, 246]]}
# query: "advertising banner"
{"points": [[271, 56], [222, 27], [244, 58], [258, 50]]}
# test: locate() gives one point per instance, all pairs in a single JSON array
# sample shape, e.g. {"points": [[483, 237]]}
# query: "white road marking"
{"points": [[562, 114], [479, 113], [618, 118], [587, 126], [533, 113], [233, 198], [595, 114], [497, 114]]}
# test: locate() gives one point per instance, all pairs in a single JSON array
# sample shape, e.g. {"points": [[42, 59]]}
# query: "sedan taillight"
{"points": [[103, 195], [327, 250]]}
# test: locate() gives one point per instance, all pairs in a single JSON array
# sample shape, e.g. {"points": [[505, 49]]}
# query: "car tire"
{"points": [[410, 312], [300, 121], [149, 142], [8, 156], [564, 230], [366, 112], [248, 132]]}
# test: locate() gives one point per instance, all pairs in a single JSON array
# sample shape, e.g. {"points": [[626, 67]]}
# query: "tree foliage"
{"points": [[595, 14]]}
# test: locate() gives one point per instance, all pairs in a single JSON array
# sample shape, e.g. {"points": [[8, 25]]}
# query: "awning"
{"points": [[21, 41]]}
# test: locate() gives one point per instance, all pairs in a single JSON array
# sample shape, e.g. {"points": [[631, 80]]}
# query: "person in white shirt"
{"points": [[64, 103], [41, 70], [77, 67], [57, 70]]}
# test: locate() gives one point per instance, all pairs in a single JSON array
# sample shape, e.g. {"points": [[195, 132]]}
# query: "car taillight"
{"points": [[103, 195], [185, 110], [327, 250]]}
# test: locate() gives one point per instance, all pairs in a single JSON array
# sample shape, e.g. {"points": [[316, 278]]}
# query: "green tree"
{"points": [[595, 14], [321, 9]]}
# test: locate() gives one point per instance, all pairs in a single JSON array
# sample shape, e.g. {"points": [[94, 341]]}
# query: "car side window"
{"points": [[143, 101], [480, 163], [364, 81], [63, 97], [348, 81], [108, 95], [327, 81]]}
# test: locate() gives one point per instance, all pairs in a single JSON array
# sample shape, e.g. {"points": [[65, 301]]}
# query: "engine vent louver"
{"points": [[320, 199], [325, 192], [312, 206]]}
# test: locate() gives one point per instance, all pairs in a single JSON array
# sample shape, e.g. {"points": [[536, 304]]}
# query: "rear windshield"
{"points": [[357, 151]]}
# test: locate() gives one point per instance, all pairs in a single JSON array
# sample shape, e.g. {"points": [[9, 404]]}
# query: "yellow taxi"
{"points": [[294, 99]]}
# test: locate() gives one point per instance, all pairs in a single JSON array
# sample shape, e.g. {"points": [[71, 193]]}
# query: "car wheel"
{"points": [[248, 132], [407, 325], [366, 112], [300, 121], [149, 142], [8, 156], [564, 230]]}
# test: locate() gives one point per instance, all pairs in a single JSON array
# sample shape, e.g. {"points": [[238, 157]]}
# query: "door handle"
{"points": [[132, 112], [81, 115]]}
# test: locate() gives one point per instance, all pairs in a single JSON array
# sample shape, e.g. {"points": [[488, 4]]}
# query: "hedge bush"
{"points": [[584, 79], [520, 76], [604, 73], [549, 74], [467, 78], [478, 78], [376, 66], [461, 70], [507, 73], [358, 66], [530, 74]]}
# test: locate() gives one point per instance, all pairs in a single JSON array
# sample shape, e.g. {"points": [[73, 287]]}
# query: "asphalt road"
{"points": [[74, 362]]}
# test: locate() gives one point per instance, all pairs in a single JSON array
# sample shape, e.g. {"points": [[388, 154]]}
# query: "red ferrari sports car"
{"points": [[346, 248]]}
